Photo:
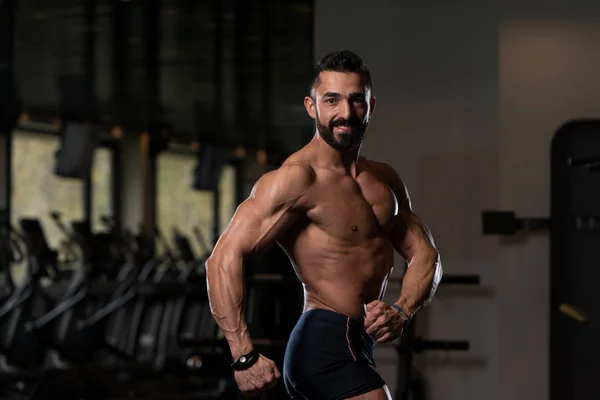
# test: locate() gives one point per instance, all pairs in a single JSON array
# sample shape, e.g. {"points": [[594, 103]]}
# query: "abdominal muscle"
{"points": [[342, 277]]}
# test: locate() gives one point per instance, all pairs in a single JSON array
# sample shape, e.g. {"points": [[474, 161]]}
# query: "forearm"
{"points": [[226, 295], [420, 282]]}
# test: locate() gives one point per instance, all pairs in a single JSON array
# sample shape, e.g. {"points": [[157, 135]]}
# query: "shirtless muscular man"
{"points": [[339, 217]]}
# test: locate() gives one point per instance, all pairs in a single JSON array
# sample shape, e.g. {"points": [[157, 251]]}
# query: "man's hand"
{"points": [[383, 322], [263, 375]]}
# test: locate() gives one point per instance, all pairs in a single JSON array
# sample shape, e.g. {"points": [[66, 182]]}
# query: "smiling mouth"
{"points": [[344, 128]]}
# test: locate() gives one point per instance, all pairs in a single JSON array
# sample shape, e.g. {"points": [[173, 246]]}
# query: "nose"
{"points": [[345, 110]]}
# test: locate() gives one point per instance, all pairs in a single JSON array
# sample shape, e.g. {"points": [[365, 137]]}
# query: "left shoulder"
{"points": [[388, 175], [385, 173]]}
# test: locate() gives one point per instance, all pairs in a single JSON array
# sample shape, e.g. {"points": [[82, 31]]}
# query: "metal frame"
{"points": [[7, 18], [571, 142]]}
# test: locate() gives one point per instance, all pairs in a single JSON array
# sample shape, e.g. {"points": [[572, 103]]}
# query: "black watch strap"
{"points": [[246, 361]]}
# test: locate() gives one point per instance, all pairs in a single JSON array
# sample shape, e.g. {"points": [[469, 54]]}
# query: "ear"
{"points": [[310, 106], [372, 105]]}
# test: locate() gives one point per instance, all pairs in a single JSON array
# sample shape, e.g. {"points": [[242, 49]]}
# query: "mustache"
{"points": [[353, 122]]}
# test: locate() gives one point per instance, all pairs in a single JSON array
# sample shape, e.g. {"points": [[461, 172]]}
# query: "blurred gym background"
{"points": [[131, 130]]}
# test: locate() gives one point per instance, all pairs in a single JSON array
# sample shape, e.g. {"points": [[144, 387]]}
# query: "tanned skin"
{"points": [[339, 217]]}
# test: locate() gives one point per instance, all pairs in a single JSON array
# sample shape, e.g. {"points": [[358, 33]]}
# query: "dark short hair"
{"points": [[340, 61]]}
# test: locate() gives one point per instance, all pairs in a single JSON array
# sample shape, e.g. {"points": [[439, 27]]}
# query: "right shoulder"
{"points": [[288, 184]]}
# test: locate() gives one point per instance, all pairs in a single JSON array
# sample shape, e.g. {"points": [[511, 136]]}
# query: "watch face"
{"points": [[243, 359]]}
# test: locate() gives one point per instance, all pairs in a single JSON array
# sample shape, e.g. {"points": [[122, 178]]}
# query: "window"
{"points": [[102, 188], [36, 191], [182, 208]]}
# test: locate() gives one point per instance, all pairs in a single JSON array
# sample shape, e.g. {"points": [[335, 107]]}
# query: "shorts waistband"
{"points": [[333, 316]]}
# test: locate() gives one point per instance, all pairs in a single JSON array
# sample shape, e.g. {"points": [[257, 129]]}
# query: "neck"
{"points": [[336, 159]]}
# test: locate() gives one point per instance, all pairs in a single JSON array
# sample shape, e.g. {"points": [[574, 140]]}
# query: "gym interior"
{"points": [[150, 121]]}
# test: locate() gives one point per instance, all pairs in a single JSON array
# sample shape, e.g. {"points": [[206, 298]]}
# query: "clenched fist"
{"points": [[261, 376], [383, 322]]}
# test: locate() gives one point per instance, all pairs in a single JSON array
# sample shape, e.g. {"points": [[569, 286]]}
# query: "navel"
{"points": [[355, 228]]}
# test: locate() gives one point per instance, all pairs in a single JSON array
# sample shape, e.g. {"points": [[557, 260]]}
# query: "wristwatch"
{"points": [[403, 315], [246, 361]]}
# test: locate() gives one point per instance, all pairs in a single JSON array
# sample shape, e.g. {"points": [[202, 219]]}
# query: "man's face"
{"points": [[341, 107]]}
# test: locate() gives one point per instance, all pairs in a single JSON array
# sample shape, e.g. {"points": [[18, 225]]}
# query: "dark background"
{"points": [[469, 97]]}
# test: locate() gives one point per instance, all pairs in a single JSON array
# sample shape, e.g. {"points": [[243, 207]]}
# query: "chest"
{"points": [[357, 208]]}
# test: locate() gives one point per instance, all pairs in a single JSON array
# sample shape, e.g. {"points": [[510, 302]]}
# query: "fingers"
{"points": [[276, 370], [374, 310], [372, 304], [261, 376], [377, 324], [370, 319], [271, 377], [248, 387], [376, 304], [254, 385], [251, 387], [386, 337], [382, 322]]}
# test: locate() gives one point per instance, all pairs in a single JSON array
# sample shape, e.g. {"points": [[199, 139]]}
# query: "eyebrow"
{"points": [[337, 95]]}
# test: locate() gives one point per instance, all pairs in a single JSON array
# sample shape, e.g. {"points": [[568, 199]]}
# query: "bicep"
{"points": [[270, 210], [411, 236], [255, 227]]}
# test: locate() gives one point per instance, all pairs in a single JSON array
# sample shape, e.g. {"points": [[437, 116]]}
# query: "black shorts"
{"points": [[329, 356]]}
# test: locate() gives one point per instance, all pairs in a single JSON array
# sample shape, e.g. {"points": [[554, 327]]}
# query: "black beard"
{"points": [[347, 141]]}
